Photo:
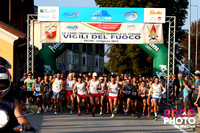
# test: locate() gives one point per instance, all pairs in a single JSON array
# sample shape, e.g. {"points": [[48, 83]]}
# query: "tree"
{"points": [[130, 58], [184, 47]]}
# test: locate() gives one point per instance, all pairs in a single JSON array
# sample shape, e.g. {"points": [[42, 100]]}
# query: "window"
{"points": [[75, 47], [69, 61], [102, 49], [89, 48], [84, 47], [101, 61], [96, 48], [96, 62], [83, 61], [75, 58], [61, 58], [89, 60]]}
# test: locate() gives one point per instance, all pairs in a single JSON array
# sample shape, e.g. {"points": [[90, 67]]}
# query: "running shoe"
{"points": [[100, 113], [156, 118], [69, 107], [148, 115], [143, 114], [87, 111], [71, 113], [115, 110], [112, 116], [55, 113], [38, 111], [152, 110], [139, 115], [93, 114], [132, 114], [79, 113], [107, 111], [125, 112]]}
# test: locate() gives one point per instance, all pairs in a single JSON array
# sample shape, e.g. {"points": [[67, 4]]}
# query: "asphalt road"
{"points": [[65, 123]]}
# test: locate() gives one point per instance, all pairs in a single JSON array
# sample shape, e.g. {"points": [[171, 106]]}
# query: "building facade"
{"points": [[82, 58]]}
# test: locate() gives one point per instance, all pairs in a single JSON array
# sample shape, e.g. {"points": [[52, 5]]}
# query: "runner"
{"points": [[134, 96], [113, 94], [102, 92], [37, 93], [93, 93], [28, 87], [46, 93], [107, 94], [149, 99], [69, 91], [157, 94], [56, 88], [127, 88], [87, 80], [142, 98], [80, 89]]}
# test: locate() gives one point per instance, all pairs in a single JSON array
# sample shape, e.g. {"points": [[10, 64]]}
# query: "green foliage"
{"points": [[130, 58]]}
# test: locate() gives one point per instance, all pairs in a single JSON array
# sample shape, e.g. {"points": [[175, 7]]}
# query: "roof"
{"points": [[12, 30]]}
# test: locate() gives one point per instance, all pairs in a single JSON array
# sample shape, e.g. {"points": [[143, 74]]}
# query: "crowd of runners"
{"points": [[93, 93]]}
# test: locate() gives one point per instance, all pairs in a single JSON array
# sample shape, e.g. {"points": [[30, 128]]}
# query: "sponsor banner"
{"points": [[101, 14], [111, 33], [49, 32], [48, 13], [154, 15]]}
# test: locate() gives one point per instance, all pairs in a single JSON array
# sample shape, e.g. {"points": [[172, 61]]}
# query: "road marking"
{"points": [[180, 129]]}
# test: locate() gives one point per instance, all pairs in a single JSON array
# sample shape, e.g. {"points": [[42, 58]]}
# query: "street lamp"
{"points": [[196, 38], [189, 36]]}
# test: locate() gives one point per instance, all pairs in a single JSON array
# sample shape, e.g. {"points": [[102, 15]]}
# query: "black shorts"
{"points": [[126, 96], [140, 99], [29, 94], [134, 97]]}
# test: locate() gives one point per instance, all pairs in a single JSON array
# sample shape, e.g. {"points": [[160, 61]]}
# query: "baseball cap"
{"points": [[101, 77], [70, 75], [94, 74], [197, 72]]}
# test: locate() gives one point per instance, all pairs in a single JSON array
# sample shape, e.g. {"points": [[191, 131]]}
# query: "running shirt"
{"points": [[38, 90], [127, 89], [81, 89], [135, 90], [46, 85], [103, 86], [93, 87], [29, 83], [143, 93], [157, 90], [197, 85], [56, 87], [113, 89], [69, 85], [185, 91]]}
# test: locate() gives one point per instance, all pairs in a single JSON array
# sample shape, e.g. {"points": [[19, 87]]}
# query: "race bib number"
{"points": [[127, 92], [29, 89], [37, 89], [134, 93]]}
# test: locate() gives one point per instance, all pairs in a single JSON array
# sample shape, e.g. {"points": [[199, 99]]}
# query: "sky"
{"points": [[91, 3]]}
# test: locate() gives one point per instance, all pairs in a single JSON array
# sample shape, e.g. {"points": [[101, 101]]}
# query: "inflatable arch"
{"points": [[158, 52]]}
